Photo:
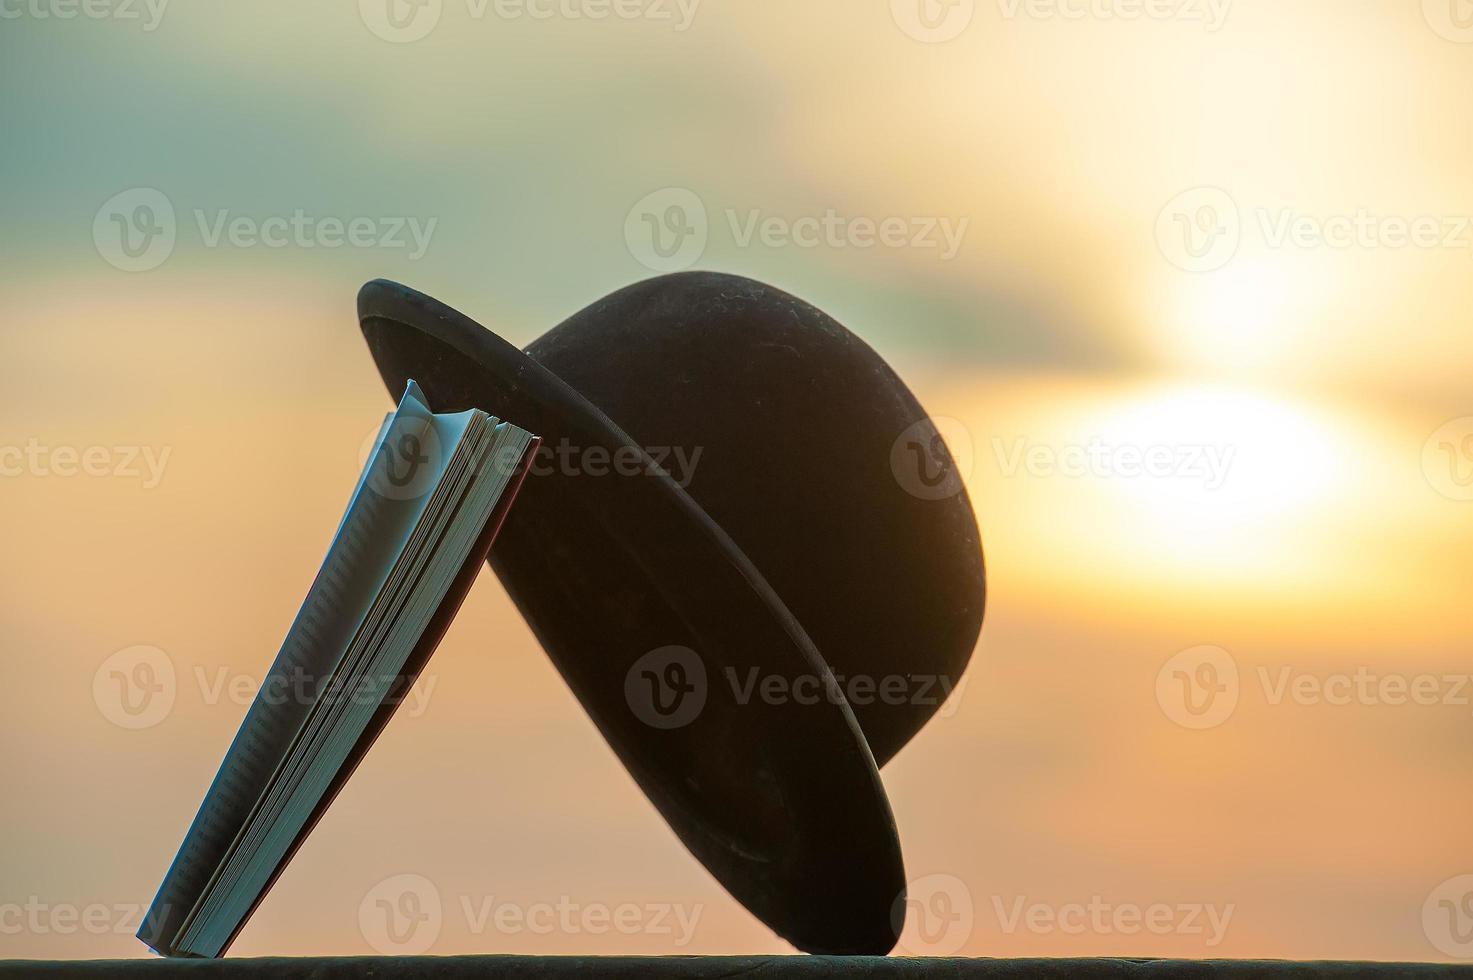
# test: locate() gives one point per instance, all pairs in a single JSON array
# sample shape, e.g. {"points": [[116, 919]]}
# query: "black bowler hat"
{"points": [[755, 643]]}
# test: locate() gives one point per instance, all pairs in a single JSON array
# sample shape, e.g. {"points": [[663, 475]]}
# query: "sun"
{"points": [[1237, 479]]}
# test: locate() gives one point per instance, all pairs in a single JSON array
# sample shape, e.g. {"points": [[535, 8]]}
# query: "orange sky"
{"points": [[1305, 393]]}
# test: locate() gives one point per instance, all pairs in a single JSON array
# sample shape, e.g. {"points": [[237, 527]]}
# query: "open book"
{"points": [[418, 527]]}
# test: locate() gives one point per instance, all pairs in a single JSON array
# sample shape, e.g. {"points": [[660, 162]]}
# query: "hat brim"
{"points": [[774, 790]]}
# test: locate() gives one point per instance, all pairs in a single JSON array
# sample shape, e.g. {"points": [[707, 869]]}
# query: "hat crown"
{"points": [[803, 445]]}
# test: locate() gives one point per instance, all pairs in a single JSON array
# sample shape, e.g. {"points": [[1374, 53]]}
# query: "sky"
{"points": [[1184, 282]]}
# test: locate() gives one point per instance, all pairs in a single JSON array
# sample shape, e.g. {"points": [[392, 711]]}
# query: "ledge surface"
{"points": [[721, 968]]}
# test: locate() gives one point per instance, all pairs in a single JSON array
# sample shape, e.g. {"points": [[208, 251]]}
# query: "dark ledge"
{"points": [[717, 968]]}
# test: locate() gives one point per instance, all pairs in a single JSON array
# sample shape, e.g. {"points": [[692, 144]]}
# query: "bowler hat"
{"points": [[746, 549]]}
